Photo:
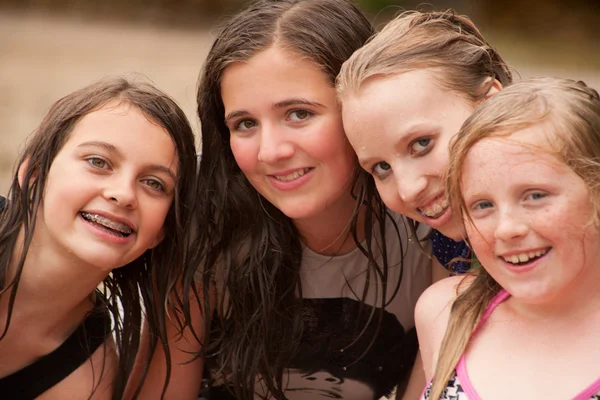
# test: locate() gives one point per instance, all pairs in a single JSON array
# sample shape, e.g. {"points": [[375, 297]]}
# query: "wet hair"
{"points": [[149, 278], [448, 43], [572, 112], [248, 248]]}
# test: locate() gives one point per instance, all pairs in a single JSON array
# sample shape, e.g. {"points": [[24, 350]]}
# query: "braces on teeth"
{"points": [[107, 223]]}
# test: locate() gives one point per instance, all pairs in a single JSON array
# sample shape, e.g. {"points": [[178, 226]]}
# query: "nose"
{"points": [[511, 226], [121, 190], [274, 145], [411, 185]]}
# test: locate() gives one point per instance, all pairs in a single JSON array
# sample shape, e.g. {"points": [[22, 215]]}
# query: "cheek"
{"points": [[245, 153], [329, 143], [389, 194], [480, 237], [437, 162]]}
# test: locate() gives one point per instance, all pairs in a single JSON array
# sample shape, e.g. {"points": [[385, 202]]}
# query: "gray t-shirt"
{"points": [[340, 356]]}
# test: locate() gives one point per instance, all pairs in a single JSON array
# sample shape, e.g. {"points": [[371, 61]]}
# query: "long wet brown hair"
{"points": [[248, 249], [146, 281]]}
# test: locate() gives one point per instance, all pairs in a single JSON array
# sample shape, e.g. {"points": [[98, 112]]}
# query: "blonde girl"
{"points": [[524, 174], [404, 96]]}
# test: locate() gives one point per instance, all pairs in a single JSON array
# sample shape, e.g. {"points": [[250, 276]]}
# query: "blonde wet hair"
{"points": [[572, 112], [449, 43]]}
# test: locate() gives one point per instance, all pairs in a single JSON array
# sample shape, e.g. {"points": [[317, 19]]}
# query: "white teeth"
{"points": [[294, 175], [117, 226], [436, 209], [524, 257]]}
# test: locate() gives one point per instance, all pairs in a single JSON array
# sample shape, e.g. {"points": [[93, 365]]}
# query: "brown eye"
{"points": [[97, 162], [299, 115], [245, 125]]}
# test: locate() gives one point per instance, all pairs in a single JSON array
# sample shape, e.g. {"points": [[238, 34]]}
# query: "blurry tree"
{"points": [[567, 19]]}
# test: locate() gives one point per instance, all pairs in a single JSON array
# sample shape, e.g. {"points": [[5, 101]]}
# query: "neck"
{"points": [[329, 233], [54, 285]]}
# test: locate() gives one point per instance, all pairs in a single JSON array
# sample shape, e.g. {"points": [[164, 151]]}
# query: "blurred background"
{"points": [[49, 48]]}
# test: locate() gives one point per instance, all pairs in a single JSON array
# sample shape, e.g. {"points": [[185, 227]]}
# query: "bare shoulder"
{"points": [[431, 316], [440, 295]]}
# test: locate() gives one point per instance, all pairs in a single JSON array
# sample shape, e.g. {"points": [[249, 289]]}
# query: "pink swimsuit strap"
{"points": [[461, 368]]}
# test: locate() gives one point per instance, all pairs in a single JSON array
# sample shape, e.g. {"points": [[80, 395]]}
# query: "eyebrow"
{"points": [[282, 104], [114, 150]]}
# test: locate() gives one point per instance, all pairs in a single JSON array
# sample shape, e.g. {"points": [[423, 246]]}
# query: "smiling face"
{"points": [[531, 219], [109, 188], [286, 133], [400, 127]]}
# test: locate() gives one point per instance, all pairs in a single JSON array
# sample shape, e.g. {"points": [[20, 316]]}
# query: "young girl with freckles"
{"points": [[309, 280], [524, 173], [404, 96], [93, 230]]}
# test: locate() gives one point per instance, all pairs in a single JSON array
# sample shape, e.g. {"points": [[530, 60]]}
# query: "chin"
{"points": [[455, 232]]}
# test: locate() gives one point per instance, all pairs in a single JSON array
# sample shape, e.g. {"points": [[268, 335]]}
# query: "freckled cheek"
{"points": [[481, 237]]}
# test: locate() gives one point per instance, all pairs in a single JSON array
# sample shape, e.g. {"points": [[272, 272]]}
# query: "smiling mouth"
{"points": [[435, 210], [115, 228], [526, 257], [294, 175]]}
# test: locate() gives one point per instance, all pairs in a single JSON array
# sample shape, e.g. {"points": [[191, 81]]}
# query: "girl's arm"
{"points": [[431, 319], [186, 376]]}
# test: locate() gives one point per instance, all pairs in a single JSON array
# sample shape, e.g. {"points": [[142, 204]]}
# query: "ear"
{"points": [[159, 238], [23, 168], [494, 88]]}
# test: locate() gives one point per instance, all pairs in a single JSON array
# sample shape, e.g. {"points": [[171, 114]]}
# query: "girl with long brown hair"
{"points": [[309, 281], [92, 235]]}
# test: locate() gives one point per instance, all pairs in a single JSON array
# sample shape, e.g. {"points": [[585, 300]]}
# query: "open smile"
{"points": [[108, 225], [435, 209], [293, 175], [525, 258]]}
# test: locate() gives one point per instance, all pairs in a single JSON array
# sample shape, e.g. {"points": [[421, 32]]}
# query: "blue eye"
{"points": [[536, 195], [420, 145], [381, 169], [482, 205]]}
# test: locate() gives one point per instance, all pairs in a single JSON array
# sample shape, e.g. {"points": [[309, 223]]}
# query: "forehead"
{"points": [[387, 110], [526, 151], [408, 97], [273, 73], [126, 127]]}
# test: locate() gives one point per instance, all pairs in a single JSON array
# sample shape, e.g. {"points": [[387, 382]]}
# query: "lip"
{"points": [[522, 269], [294, 183], [440, 198], [437, 223], [521, 251], [116, 218], [104, 235]]}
